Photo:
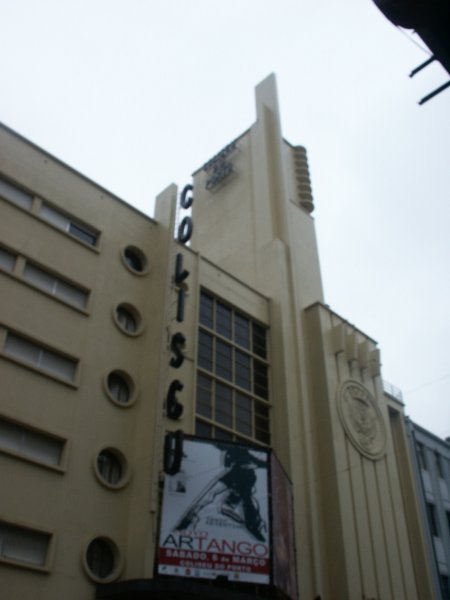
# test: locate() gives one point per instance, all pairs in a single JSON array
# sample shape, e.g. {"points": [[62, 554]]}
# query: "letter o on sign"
{"points": [[185, 230]]}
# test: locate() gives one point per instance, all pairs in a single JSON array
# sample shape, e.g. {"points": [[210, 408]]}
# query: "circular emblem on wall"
{"points": [[362, 419]]}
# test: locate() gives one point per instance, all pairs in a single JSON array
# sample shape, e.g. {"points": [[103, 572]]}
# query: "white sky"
{"points": [[136, 94]]}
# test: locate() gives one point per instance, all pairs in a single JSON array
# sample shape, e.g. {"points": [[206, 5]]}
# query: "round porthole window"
{"points": [[111, 468], [102, 560], [135, 260], [120, 388], [128, 319]]}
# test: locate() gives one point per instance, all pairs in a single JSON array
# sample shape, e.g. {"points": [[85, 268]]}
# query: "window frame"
{"points": [[18, 272], [432, 519], [128, 380], [134, 313], [131, 252], [71, 223], [125, 470], [38, 205], [45, 567], [41, 347], [117, 558], [22, 454], [210, 343]]}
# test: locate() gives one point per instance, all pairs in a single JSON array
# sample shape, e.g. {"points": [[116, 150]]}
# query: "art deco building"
{"points": [[182, 415]]}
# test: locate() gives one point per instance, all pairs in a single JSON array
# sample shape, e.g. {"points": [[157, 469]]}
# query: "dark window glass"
{"points": [[259, 341], [206, 310], [100, 558], [432, 519], [445, 586], [439, 468], [203, 429], [229, 407], [220, 434], [243, 414], [204, 396], [134, 260], [223, 360], [242, 370], [109, 467], [126, 319], [260, 381], [205, 346], [118, 388], [23, 545], [83, 234], [242, 331], [223, 413], [223, 320], [262, 427]]}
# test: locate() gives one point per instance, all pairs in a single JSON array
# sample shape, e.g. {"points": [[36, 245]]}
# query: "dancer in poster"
{"points": [[236, 485]]}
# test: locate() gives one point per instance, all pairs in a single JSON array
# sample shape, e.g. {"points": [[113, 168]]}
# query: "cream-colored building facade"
{"points": [[98, 301]]}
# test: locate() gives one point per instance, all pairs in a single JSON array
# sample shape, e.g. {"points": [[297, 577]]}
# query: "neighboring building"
{"points": [[113, 334], [431, 460]]}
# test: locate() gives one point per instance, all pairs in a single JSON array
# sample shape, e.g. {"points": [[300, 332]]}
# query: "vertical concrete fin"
{"points": [[271, 141], [165, 207], [266, 97]]}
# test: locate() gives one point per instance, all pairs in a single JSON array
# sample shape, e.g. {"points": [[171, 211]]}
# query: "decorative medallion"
{"points": [[362, 419]]}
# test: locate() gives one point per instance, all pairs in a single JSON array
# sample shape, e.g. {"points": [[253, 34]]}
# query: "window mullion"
{"points": [[233, 374]]}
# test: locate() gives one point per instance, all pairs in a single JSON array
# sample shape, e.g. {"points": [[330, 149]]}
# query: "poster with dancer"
{"points": [[215, 517]]}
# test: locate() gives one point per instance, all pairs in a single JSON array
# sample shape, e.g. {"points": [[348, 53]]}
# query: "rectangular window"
{"points": [[204, 396], [15, 195], [421, 456], [72, 226], [445, 586], [75, 228], [223, 360], [432, 519], [40, 357], [7, 260], [233, 375], [54, 285], [223, 320], [438, 462], [205, 345], [30, 443], [242, 330], [23, 545], [206, 310]]}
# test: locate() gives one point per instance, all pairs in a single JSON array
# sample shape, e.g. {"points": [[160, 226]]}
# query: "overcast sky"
{"points": [[137, 94]]}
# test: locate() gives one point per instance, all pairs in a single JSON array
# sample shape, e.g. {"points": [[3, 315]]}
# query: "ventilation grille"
{"points": [[303, 180]]}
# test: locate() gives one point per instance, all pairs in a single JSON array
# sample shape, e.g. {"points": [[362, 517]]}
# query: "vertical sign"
{"points": [[174, 408], [215, 518]]}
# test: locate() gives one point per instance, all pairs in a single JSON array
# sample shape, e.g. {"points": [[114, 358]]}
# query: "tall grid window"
{"points": [[232, 376]]}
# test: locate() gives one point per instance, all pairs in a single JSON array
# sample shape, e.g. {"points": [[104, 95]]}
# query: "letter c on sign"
{"points": [[186, 202]]}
